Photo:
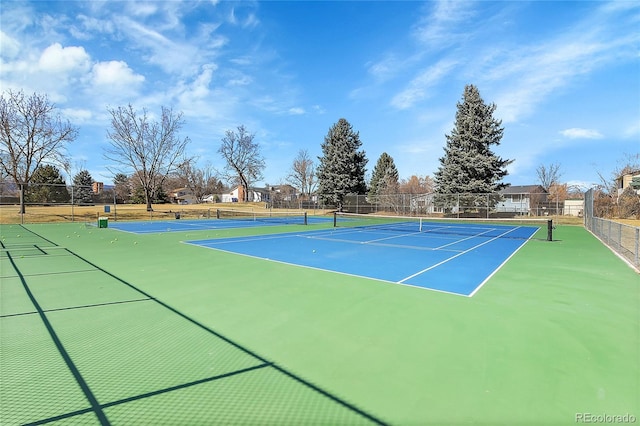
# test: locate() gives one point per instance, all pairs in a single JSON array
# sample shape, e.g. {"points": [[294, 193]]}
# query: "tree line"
{"points": [[146, 155]]}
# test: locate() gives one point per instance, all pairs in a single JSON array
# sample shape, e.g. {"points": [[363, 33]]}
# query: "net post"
{"points": [[217, 213], [305, 218], [335, 219], [550, 230]]}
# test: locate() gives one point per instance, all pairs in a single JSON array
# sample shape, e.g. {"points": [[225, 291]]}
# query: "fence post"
{"points": [[22, 208], [115, 208], [72, 203], [487, 206], [637, 246]]}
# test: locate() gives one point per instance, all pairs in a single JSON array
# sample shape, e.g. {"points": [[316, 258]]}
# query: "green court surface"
{"points": [[101, 326]]}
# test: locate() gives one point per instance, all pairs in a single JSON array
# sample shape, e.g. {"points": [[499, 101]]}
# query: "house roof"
{"points": [[632, 173], [523, 189]]}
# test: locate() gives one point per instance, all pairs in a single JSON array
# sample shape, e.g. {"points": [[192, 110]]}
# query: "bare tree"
{"points": [[549, 176], [244, 161], [146, 149], [628, 163], [303, 174], [416, 185], [32, 134], [201, 181]]}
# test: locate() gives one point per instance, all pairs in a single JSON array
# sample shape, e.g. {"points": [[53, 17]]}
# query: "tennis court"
{"points": [[223, 219], [453, 257], [100, 326]]}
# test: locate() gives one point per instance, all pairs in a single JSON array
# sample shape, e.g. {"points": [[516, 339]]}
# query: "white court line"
{"points": [[330, 270], [499, 267], [457, 255], [391, 238], [250, 238], [465, 239], [340, 240]]}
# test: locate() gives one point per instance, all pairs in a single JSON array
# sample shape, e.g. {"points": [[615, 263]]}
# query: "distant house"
{"points": [[182, 196], [522, 199], [98, 187], [631, 179], [283, 193], [254, 195], [573, 207], [423, 204], [211, 198]]}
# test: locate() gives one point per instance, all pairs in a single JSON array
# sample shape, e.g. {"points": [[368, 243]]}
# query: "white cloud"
{"points": [[250, 21], [536, 72], [87, 27], [141, 9], [77, 116], [530, 74], [296, 111], [157, 49], [383, 69], [115, 74], [438, 29], [318, 109], [417, 89], [577, 133], [242, 80], [58, 59], [10, 46], [199, 89], [633, 130]]}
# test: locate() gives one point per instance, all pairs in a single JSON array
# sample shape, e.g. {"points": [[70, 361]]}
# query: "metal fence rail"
{"points": [[462, 204], [622, 238]]}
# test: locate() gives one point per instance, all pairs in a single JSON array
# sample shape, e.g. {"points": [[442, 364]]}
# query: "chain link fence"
{"points": [[622, 238], [72, 203], [50, 203], [463, 205]]}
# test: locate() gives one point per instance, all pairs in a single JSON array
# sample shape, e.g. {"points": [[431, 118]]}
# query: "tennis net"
{"points": [[524, 228], [284, 218]]}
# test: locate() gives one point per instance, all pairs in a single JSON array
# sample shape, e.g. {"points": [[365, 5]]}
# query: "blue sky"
{"points": [[565, 76]]}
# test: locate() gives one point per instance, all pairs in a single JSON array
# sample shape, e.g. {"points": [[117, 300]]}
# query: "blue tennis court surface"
{"points": [[181, 225], [452, 263]]}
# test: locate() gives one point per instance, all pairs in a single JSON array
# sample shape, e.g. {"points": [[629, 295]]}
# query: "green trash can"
{"points": [[103, 222]]}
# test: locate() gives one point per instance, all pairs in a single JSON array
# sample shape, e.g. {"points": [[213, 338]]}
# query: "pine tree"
{"points": [[469, 165], [122, 186], [384, 180], [47, 186], [342, 166], [82, 188]]}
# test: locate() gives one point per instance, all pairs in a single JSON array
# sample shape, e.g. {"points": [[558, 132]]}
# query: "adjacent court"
{"points": [[223, 219]]}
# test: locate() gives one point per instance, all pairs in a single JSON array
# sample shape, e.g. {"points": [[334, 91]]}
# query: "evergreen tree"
{"points": [[122, 186], [47, 186], [469, 165], [82, 188], [342, 166], [384, 180]]}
